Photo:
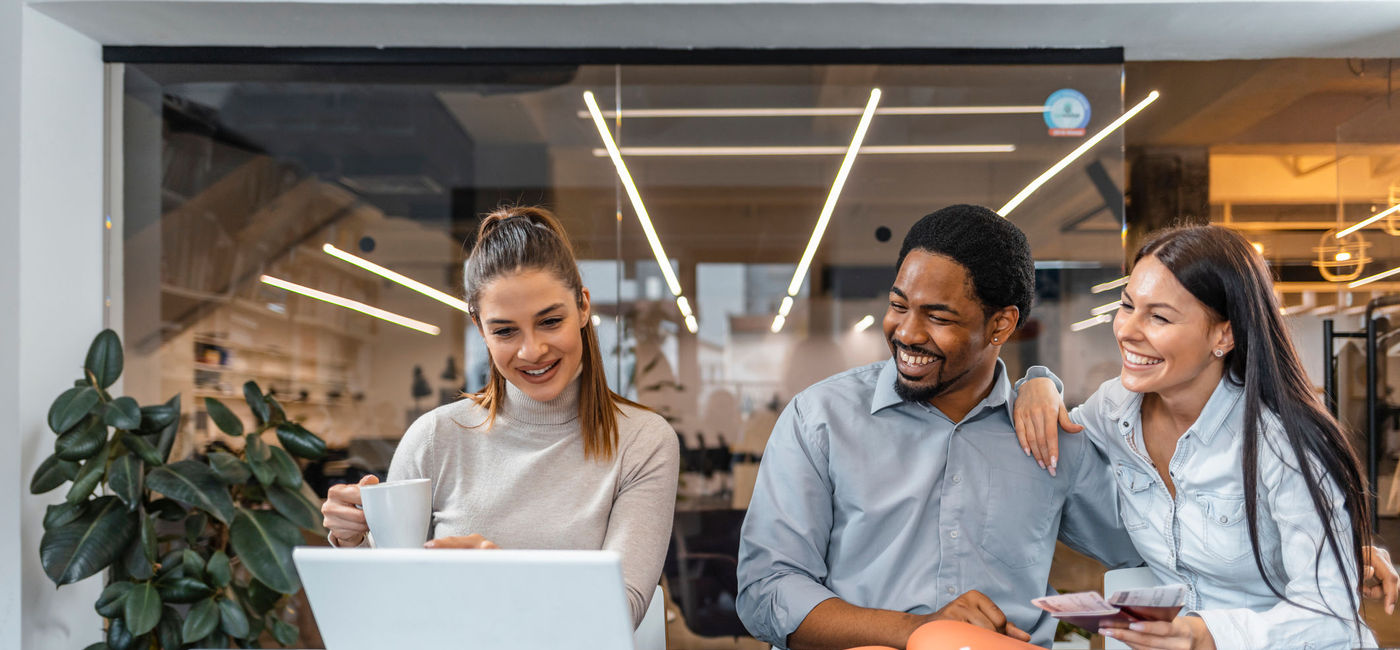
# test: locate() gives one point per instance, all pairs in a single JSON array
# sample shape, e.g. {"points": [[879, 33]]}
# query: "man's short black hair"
{"points": [[993, 250]]}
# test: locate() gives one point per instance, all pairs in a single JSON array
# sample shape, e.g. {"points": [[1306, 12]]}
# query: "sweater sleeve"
{"points": [[639, 527]]}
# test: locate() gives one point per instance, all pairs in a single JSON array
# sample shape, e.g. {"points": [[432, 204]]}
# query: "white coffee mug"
{"points": [[398, 512]]}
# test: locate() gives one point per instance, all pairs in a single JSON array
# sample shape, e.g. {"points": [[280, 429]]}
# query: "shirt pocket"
{"points": [[1016, 530], [1133, 484], [1224, 534]]}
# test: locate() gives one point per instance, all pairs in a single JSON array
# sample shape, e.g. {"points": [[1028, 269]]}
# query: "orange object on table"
{"points": [[956, 635]]}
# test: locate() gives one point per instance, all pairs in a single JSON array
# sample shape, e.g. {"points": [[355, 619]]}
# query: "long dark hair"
{"points": [[519, 238], [1223, 271]]}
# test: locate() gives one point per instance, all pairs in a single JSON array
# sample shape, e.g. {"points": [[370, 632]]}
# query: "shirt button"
{"points": [[953, 534], [952, 590], [957, 478], [1223, 519]]}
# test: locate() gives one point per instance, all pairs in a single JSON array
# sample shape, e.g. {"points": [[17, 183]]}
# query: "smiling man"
{"points": [[896, 493]]}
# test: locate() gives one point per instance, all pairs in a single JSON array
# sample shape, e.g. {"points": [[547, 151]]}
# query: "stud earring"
{"points": [[1219, 353], [995, 340]]}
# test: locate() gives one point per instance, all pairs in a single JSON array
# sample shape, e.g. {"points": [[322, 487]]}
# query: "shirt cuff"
{"points": [[364, 541], [794, 598], [1036, 372]]}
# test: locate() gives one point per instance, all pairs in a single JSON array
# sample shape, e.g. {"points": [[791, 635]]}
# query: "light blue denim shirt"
{"points": [[889, 504], [1200, 538]]}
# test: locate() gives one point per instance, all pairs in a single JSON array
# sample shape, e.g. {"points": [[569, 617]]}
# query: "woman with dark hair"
{"points": [[1232, 478], [546, 456]]}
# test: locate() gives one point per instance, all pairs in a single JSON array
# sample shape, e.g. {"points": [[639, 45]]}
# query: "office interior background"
{"points": [[180, 171]]}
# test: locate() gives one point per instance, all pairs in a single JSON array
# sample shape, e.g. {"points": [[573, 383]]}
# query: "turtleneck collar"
{"points": [[561, 410]]}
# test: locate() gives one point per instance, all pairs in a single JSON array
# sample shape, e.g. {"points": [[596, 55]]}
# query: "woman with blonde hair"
{"points": [[546, 456]]}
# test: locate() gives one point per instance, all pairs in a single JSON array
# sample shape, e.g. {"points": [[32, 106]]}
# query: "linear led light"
{"points": [[1367, 221], [785, 307], [1074, 155], [1104, 309], [395, 276], [1090, 322], [691, 325], [907, 149], [1111, 284], [777, 324], [835, 193], [1379, 276], [684, 305], [864, 323], [353, 305], [632, 194], [820, 112]]}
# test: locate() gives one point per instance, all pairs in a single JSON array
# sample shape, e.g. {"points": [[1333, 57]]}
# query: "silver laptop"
{"points": [[436, 599]]}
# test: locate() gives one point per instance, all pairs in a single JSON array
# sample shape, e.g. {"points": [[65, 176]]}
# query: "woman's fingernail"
{"points": [[1054, 462], [1052, 470], [1136, 627], [1041, 463], [1107, 632], [1390, 609], [1027, 450]]}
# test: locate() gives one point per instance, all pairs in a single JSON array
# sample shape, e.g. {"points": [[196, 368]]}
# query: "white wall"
{"points": [[51, 94]]}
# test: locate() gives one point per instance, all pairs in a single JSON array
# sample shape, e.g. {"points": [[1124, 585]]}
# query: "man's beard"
{"points": [[912, 393]]}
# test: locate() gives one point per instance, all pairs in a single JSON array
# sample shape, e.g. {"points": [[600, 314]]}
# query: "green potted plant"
{"points": [[198, 552]]}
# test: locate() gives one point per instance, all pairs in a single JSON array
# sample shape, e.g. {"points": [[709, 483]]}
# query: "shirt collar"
{"points": [[1214, 416], [885, 395]]}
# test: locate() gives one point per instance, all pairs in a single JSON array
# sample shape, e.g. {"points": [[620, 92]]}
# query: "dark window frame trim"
{"points": [[609, 56]]}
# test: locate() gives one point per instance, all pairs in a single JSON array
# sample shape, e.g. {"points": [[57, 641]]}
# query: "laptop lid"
{"points": [[381, 599]]}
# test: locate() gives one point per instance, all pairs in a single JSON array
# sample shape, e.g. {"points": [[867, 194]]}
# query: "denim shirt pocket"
{"points": [[1132, 485], [1223, 532]]}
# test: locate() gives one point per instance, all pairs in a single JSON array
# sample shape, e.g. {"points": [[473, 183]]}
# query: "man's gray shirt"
{"points": [[889, 504]]}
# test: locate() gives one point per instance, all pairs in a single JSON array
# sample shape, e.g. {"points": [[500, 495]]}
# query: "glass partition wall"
{"points": [[261, 202]]}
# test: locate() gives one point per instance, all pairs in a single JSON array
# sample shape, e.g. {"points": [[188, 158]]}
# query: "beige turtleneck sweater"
{"points": [[524, 483]]}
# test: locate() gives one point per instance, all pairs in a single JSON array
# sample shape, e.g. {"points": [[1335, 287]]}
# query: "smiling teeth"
{"points": [[536, 373], [1137, 359], [913, 360]]}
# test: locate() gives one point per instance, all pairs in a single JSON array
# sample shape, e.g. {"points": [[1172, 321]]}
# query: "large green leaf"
{"points": [[142, 608], [234, 620], [170, 430], [196, 484], [285, 633], [83, 440], [125, 477], [143, 448], [172, 565], [104, 358], [89, 475], [253, 395], [149, 541], [168, 630], [118, 637], [63, 513], [260, 539], [183, 589], [80, 549], [294, 507], [194, 527], [112, 602], [157, 416], [229, 468], [288, 472], [259, 458], [134, 561], [53, 472], [300, 442], [167, 509], [123, 413], [218, 570], [202, 620], [278, 414], [223, 418], [193, 563], [71, 406], [262, 597]]}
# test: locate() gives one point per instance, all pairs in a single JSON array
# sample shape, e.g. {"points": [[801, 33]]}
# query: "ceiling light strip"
{"points": [[353, 305], [1379, 276], [820, 112], [1105, 286], [1090, 322], [1368, 221], [910, 149], [864, 323], [395, 276], [661, 260], [1104, 309], [834, 194], [1074, 155]]}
